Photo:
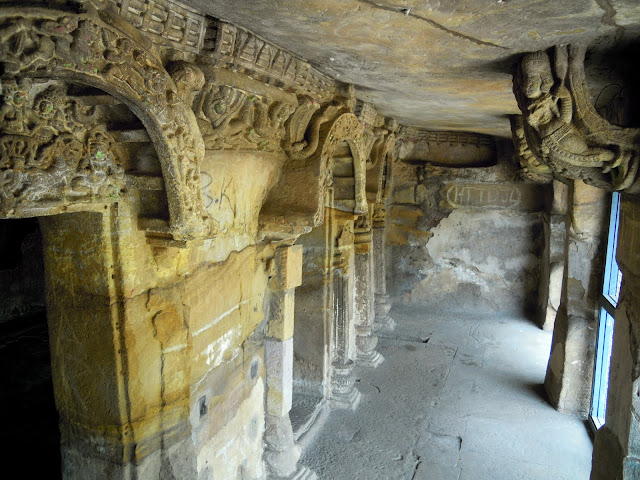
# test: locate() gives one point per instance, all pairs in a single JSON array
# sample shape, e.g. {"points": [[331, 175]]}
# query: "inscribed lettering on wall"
{"points": [[491, 195]]}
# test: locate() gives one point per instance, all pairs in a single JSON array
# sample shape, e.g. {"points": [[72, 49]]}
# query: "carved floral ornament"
{"points": [[49, 44], [53, 149], [561, 129]]}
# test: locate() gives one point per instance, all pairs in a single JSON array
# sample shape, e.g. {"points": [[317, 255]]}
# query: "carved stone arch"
{"points": [[379, 174], [82, 48], [296, 204], [345, 136]]}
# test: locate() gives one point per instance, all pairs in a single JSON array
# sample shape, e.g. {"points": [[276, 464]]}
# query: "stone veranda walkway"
{"points": [[459, 397]]}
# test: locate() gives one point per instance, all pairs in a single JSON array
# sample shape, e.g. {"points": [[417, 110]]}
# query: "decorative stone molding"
{"points": [[415, 134], [562, 128], [235, 48], [166, 22], [452, 149], [368, 115], [82, 48]]}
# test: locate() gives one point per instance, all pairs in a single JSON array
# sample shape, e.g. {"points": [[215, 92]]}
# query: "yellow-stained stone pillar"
{"points": [[552, 264], [281, 454], [109, 427], [570, 369]]}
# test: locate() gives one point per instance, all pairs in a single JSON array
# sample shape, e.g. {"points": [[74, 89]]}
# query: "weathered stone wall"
{"points": [[162, 345], [465, 239]]}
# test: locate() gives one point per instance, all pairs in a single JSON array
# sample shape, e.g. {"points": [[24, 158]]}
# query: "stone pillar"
{"points": [[382, 302], [366, 341], [110, 426], [570, 369], [344, 394], [616, 449], [281, 454], [553, 259]]}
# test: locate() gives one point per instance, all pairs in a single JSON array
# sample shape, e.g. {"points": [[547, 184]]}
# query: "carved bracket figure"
{"points": [[562, 129], [81, 48], [231, 118]]}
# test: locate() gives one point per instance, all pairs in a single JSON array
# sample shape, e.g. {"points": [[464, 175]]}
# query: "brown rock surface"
{"points": [[429, 63]]}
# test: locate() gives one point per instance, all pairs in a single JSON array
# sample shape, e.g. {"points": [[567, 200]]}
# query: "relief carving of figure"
{"points": [[550, 112], [552, 133], [53, 149], [232, 118]]}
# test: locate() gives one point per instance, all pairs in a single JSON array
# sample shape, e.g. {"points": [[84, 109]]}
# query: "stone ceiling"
{"points": [[440, 65]]}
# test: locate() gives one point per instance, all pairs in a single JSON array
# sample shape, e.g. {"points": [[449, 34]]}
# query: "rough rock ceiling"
{"points": [[441, 65]]}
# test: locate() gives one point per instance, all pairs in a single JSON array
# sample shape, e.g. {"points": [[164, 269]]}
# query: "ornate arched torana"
{"points": [[562, 130], [297, 202], [380, 170], [81, 48]]}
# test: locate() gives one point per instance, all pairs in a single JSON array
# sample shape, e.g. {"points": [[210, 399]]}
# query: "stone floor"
{"points": [[457, 398]]}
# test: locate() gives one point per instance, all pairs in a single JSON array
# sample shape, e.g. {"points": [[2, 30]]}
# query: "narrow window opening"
{"points": [[608, 303]]}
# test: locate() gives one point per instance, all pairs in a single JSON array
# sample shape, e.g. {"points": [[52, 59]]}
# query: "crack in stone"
{"points": [[608, 16], [415, 469], [609, 12], [407, 13], [401, 338]]}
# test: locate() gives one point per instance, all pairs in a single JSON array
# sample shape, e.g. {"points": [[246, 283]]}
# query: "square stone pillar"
{"points": [[103, 349], [570, 369], [553, 258], [382, 302], [281, 454], [366, 341], [616, 449]]}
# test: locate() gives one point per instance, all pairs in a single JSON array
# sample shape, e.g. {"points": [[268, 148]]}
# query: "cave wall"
{"points": [[465, 239]]}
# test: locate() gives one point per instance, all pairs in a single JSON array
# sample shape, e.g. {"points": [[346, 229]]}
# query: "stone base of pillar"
{"points": [[281, 453], [366, 343], [383, 322], [303, 473], [344, 394], [370, 359]]}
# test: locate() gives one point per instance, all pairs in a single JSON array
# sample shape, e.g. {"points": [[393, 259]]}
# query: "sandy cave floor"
{"points": [[457, 398]]}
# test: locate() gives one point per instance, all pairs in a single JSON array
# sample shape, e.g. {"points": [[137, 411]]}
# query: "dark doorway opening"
{"points": [[30, 425]]}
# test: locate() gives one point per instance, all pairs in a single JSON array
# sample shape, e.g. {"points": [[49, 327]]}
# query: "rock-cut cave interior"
{"points": [[320, 240]]}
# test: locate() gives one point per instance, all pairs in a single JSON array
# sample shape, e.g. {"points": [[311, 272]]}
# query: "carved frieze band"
{"points": [[82, 48], [230, 46], [166, 22], [415, 134], [53, 149]]}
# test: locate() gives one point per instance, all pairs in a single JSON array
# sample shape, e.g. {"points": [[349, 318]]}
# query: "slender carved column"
{"points": [[344, 394], [366, 341], [382, 303], [570, 369], [616, 449], [281, 454]]}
